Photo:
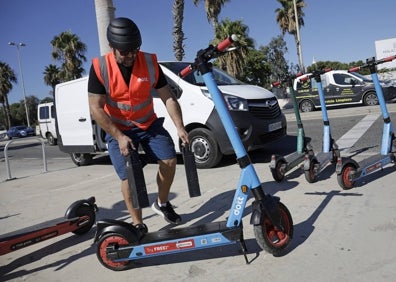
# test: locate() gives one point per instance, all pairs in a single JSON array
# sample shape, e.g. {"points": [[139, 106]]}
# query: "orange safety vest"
{"points": [[129, 105]]}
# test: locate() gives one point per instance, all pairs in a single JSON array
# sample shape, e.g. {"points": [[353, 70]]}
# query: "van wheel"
{"points": [[81, 159], [51, 139], [205, 148], [370, 99], [306, 106]]}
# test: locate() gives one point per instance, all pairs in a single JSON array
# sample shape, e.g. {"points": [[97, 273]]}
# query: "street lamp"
{"points": [[20, 71]]}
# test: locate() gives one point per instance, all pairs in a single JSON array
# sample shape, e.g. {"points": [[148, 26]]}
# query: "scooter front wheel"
{"points": [[277, 172], [270, 238], [106, 243], [89, 211], [344, 179]]}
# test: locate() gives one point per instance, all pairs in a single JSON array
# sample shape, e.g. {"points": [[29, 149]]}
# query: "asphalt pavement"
{"points": [[339, 235]]}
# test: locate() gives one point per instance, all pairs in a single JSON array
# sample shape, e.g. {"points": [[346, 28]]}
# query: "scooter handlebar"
{"points": [[210, 53], [373, 63], [288, 79]]}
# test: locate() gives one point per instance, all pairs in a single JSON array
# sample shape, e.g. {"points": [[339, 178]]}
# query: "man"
{"points": [[120, 86]]}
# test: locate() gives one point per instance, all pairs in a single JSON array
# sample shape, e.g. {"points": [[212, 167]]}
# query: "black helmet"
{"points": [[123, 34]]}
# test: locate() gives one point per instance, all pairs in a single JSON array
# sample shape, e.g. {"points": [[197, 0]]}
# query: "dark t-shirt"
{"points": [[96, 87]]}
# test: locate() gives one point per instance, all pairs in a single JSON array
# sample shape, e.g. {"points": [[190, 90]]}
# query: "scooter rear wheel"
{"points": [[106, 242], [310, 174], [343, 178], [277, 172], [270, 238]]}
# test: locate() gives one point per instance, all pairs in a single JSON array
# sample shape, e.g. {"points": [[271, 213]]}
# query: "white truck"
{"points": [[47, 122], [255, 111], [340, 87]]}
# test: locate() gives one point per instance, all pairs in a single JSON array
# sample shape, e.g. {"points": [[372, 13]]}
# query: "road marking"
{"points": [[346, 142]]}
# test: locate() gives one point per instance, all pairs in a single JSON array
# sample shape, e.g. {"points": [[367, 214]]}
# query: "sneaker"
{"points": [[166, 212], [142, 228]]}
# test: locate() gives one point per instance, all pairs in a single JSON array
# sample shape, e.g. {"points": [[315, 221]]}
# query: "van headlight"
{"points": [[234, 103]]}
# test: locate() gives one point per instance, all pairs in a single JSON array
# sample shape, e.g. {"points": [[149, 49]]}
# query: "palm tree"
{"points": [[178, 34], [234, 61], [213, 9], [105, 12], [51, 77], [68, 49], [286, 18], [7, 77]]}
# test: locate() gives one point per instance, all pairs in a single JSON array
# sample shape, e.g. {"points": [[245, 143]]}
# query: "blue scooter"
{"points": [[315, 164], [119, 243], [349, 171], [280, 165]]}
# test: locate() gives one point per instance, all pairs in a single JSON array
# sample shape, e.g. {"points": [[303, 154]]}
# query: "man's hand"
{"points": [[183, 135], [125, 143]]}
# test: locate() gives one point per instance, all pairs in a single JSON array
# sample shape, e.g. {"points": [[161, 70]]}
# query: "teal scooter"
{"points": [[349, 171], [279, 164]]}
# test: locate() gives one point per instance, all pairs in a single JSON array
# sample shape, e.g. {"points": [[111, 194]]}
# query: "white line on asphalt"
{"points": [[356, 132]]}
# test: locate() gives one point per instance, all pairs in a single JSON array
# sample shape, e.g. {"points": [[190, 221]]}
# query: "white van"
{"points": [[254, 110], [46, 120]]}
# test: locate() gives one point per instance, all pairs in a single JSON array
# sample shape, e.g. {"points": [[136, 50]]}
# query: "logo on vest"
{"points": [[143, 79]]}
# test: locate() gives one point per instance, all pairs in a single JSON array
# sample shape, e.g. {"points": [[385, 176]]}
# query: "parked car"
{"points": [[20, 131]]}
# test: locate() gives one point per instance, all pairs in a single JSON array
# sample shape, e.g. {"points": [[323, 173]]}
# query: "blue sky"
{"points": [[335, 30]]}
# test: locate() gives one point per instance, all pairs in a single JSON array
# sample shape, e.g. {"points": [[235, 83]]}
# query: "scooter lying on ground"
{"points": [[349, 171], [280, 165], [119, 243], [79, 218], [315, 164]]}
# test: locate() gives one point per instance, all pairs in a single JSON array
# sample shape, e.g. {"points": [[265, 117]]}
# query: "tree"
{"points": [[104, 11], [267, 64], [256, 68], [275, 54], [213, 9], [178, 34], [234, 61], [286, 18], [51, 77], [69, 50], [7, 77]]}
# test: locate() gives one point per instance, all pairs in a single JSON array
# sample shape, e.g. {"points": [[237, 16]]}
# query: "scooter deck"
{"points": [[37, 233], [373, 164], [294, 159], [35, 228], [232, 234], [179, 240]]}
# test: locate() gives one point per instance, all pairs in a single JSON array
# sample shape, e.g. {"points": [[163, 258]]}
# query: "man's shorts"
{"points": [[155, 141]]}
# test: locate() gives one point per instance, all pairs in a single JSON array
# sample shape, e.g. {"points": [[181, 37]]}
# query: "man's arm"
{"points": [[174, 110], [96, 105]]}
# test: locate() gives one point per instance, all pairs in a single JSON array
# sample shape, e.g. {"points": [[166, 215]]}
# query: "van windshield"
{"points": [[365, 79], [221, 77]]}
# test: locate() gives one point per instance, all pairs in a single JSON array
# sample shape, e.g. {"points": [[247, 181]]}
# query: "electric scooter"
{"points": [[79, 218], [280, 165], [119, 243], [349, 171], [315, 164]]}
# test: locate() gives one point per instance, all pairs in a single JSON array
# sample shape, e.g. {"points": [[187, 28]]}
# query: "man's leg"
{"points": [[165, 176], [136, 214]]}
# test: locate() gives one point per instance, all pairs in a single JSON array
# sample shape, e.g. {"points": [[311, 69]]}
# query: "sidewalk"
{"points": [[338, 235]]}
